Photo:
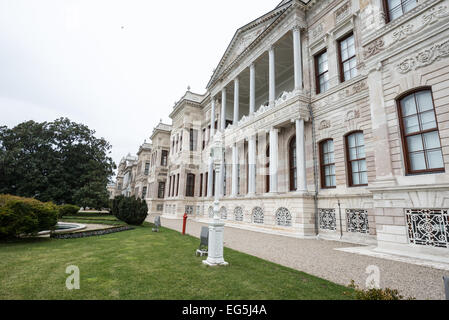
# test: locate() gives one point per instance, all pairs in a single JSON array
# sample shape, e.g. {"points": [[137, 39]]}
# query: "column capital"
{"points": [[237, 79]]}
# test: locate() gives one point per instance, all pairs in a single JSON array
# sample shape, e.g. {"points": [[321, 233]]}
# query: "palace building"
{"points": [[335, 120]]}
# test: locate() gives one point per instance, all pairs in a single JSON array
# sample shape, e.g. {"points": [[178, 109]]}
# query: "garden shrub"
{"points": [[376, 294], [25, 216], [68, 210], [130, 210]]}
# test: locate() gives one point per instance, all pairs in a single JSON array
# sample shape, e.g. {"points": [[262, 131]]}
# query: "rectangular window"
{"points": [[321, 72], [206, 184], [201, 185], [204, 139], [420, 135], [147, 168], [213, 184], [161, 190], [327, 158], [190, 187], [396, 8], [356, 157], [164, 158], [346, 50], [177, 185], [180, 142], [144, 192]]}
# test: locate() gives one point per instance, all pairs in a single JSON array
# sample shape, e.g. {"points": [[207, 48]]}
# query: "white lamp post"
{"points": [[216, 227]]}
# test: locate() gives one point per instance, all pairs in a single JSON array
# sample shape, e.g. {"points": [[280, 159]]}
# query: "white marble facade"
{"points": [[335, 118]]}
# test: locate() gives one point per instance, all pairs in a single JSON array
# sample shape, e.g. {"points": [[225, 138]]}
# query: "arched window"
{"points": [[292, 164], [356, 159], [327, 164], [420, 135], [267, 166], [238, 213], [283, 217], [258, 215]]}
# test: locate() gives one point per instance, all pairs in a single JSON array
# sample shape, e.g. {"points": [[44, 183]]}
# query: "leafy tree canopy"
{"points": [[59, 161]]}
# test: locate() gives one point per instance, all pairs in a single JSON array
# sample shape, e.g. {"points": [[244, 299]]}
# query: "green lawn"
{"points": [[140, 264]]}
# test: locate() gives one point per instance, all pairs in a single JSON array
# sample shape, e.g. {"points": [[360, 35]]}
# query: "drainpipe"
{"points": [[315, 170]]}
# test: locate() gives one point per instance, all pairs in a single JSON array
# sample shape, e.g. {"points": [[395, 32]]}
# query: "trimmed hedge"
{"points": [[130, 210], [68, 210], [25, 216]]}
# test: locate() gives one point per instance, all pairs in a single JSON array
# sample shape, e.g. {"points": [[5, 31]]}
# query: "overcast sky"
{"points": [[117, 66]]}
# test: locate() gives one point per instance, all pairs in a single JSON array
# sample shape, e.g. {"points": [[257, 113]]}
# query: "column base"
{"points": [[215, 264]]}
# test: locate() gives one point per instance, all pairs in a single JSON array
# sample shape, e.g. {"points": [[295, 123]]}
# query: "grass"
{"points": [[140, 264]]}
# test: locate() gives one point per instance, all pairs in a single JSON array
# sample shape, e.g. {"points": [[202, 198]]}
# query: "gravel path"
{"points": [[318, 257]]}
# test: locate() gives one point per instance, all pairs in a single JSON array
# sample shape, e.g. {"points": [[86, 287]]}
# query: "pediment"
{"points": [[246, 35], [243, 39]]}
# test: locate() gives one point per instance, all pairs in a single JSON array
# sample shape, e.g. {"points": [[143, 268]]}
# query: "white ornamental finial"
{"points": [[188, 88]]}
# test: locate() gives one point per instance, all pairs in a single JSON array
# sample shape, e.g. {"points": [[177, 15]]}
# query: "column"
{"points": [[235, 163], [252, 89], [274, 160], [223, 109], [212, 119], [220, 180], [210, 178], [301, 156], [297, 57], [252, 165], [236, 100], [272, 76]]}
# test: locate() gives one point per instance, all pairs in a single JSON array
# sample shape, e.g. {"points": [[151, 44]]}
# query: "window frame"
{"points": [[340, 59], [161, 190], [404, 136], [323, 165], [349, 162], [190, 185], [387, 10], [317, 74], [292, 167]]}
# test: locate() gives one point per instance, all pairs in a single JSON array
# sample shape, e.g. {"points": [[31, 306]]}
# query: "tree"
{"points": [[59, 161]]}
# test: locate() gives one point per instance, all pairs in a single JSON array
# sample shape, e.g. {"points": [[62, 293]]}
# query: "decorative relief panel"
{"points": [[424, 57], [374, 48], [328, 220], [238, 213], [258, 215], [211, 212], [428, 227], [283, 217], [343, 12], [357, 221], [352, 115], [316, 32], [325, 124], [223, 213], [428, 18]]}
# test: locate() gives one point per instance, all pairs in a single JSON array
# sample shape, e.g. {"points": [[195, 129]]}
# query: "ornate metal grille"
{"points": [[211, 212], [224, 213], [189, 210], [328, 220], [428, 227], [160, 207], [258, 215], [283, 217], [238, 212], [357, 220], [198, 210]]}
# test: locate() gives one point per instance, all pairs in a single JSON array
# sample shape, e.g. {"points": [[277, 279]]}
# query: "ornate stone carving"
{"points": [[424, 57], [374, 48], [403, 32], [353, 114], [283, 217], [317, 31], [342, 12], [434, 14], [325, 124]]}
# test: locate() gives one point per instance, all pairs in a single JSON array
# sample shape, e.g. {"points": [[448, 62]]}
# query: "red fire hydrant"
{"points": [[184, 218]]}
